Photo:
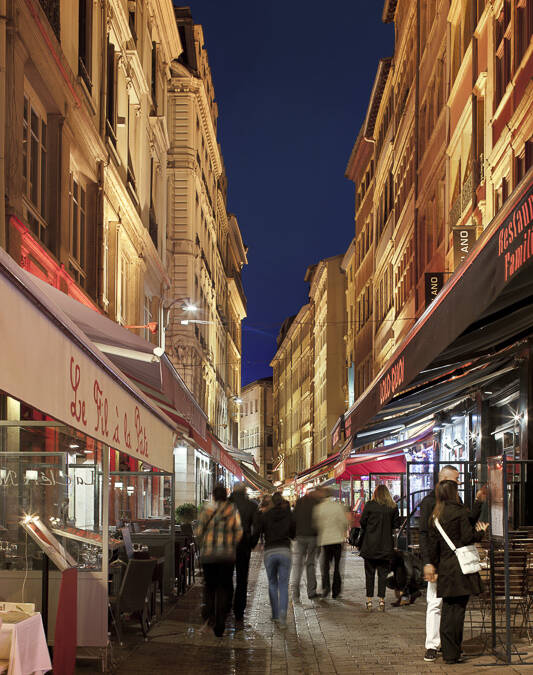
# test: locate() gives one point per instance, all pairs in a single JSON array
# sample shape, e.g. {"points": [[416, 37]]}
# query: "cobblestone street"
{"points": [[322, 636]]}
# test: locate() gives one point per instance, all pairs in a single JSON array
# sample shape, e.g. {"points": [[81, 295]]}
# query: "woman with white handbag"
{"points": [[451, 543]]}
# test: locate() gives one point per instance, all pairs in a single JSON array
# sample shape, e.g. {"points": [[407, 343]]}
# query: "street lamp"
{"points": [[186, 306]]}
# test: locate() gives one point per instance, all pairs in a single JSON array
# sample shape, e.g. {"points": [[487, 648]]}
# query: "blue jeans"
{"points": [[278, 569]]}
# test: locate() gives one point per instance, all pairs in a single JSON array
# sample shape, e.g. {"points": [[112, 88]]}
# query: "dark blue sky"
{"points": [[292, 80]]}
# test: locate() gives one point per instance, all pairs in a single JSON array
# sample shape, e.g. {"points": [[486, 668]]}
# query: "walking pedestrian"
{"points": [[434, 603], [331, 522], [379, 520], [453, 586], [277, 525], [219, 531], [305, 544], [248, 513]]}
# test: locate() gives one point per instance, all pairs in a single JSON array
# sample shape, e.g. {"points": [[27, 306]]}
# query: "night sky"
{"points": [[292, 80]]}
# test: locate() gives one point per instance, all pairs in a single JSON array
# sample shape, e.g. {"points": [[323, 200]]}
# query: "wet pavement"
{"points": [[322, 636]]}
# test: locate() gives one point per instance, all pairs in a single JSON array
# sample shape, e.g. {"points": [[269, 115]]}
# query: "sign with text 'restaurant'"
{"points": [[433, 284], [44, 366], [515, 237]]}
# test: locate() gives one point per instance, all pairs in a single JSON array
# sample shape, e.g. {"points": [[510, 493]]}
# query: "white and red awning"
{"points": [[49, 363]]}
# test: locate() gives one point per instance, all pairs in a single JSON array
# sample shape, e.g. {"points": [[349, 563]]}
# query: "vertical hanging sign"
{"points": [[464, 239], [433, 284]]}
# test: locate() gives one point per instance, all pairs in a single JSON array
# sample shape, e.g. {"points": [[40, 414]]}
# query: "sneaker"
{"points": [[430, 655]]}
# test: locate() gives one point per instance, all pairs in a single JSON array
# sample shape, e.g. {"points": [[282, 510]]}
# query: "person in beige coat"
{"points": [[330, 520]]}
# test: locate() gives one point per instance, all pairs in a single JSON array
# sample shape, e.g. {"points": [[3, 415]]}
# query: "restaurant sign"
{"points": [[391, 382], [434, 281], [44, 366], [515, 237], [464, 239]]}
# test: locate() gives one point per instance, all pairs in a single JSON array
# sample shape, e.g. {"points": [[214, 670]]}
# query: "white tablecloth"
{"points": [[24, 644]]}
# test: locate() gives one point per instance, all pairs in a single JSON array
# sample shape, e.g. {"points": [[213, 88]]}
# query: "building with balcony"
{"points": [[205, 251], [256, 423]]}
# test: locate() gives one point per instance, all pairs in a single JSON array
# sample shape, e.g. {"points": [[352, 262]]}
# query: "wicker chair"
{"points": [[133, 596]]}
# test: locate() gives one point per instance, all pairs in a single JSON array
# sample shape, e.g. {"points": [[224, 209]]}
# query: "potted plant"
{"points": [[186, 513]]}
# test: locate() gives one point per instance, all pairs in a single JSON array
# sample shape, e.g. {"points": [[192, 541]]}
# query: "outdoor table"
{"points": [[23, 644]]}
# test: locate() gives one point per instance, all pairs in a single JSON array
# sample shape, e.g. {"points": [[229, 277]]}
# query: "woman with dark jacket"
{"points": [[453, 586], [277, 525], [380, 518]]}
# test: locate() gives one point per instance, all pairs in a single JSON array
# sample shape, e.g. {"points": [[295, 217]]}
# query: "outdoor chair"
{"points": [[480, 606], [133, 596]]}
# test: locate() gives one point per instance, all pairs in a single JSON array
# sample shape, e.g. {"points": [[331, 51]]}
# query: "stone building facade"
{"points": [[309, 379], [86, 150], [256, 423], [205, 250], [448, 137]]}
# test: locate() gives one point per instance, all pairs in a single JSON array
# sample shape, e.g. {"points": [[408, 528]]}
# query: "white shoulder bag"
{"points": [[467, 556]]}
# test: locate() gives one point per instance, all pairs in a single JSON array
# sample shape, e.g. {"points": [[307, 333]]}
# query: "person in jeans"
{"points": [[248, 513], [331, 521], [219, 531], [277, 525], [453, 586], [305, 545], [380, 518], [434, 603]]}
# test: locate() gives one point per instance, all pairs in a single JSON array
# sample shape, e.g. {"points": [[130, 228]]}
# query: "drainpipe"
{"points": [[416, 158], [3, 116], [474, 149]]}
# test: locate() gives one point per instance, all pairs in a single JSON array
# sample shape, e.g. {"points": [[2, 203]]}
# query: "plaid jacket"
{"points": [[219, 529]]}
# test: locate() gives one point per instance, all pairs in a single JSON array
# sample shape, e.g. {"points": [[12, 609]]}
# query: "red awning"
{"points": [[386, 462]]}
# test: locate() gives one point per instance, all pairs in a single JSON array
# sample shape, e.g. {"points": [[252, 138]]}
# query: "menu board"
{"points": [[496, 496], [46, 541]]}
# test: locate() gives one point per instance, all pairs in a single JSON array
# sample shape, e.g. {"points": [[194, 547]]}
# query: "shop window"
{"points": [[78, 231], [34, 165], [85, 34]]}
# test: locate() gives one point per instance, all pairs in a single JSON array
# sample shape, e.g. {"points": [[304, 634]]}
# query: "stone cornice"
{"points": [[181, 84]]}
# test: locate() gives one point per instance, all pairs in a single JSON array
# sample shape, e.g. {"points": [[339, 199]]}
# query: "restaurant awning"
{"points": [[156, 376], [49, 363], [486, 305], [384, 462], [256, 481]]}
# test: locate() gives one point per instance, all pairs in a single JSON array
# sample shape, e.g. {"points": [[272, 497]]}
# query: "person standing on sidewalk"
{"points": [[248, 514], [219, 531], [331, 522], [434, 603], [379, 520], [277, 525], [306, 548], [451, 528]]}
